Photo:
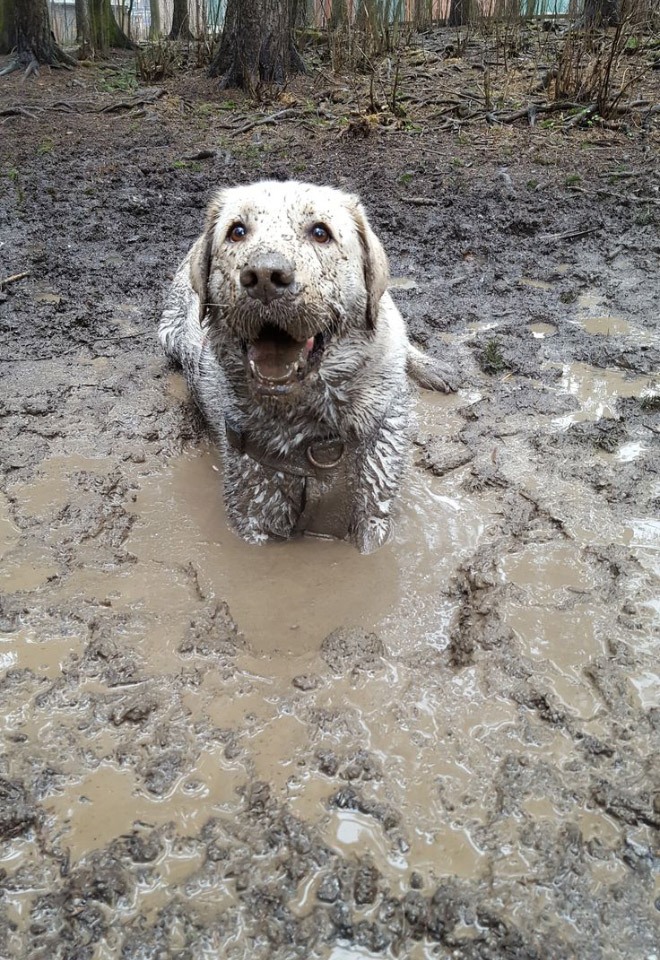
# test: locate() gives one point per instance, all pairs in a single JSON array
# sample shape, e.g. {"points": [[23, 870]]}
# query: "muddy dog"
{"points": [[299, 360]]}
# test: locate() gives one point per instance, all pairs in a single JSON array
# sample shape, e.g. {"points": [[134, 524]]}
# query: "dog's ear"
{"points": [[376, 268], [202, 255]]}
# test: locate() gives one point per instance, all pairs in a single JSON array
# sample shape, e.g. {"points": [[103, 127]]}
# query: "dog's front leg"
{"points": [[261, 502], [380, 469]]}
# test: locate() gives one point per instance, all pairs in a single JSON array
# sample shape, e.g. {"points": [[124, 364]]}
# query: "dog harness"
{"points": [[323, 466]]}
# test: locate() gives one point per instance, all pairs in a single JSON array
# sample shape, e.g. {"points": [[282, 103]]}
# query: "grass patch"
{"points": [[492, 358]]}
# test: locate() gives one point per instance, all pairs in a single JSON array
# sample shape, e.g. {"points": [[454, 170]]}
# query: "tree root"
{"points": [[10, 68], [134, 104], [286, 114], [17, 112]]}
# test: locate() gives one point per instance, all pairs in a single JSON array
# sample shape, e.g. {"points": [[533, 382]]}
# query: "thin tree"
{"points": [[7, 29], [84, 31], [106, 32], [460, 12], [27, 23], [338, 14], [422, 14], [180, 22], [154, 26], [257, 45]]}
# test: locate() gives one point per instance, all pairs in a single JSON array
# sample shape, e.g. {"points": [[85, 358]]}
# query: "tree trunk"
{"points": [[303, 16], [129, 17], [106, 32], [7, 26], [338, 14], [83, 31], [459, 13], [154, 26], [32, 37], [180, 22], [257, 45], [601, 13]]}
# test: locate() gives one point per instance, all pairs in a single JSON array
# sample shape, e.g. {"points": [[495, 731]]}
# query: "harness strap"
{"points": [[323, 466]]}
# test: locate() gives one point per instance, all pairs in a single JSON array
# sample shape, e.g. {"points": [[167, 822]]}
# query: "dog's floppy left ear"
{"points": [[202, 255], [376, 268]]}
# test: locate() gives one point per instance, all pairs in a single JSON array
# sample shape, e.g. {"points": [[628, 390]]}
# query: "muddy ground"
{"points": [[448, 749]]}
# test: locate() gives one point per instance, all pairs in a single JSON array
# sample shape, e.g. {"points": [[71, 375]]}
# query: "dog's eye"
{"points": [[237, 233], [320, 233]]}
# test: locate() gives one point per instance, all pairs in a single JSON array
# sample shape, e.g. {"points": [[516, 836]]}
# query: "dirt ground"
{"points": [[449, 749]]}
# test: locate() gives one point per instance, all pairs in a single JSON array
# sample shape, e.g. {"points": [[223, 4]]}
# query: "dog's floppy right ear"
{"points": [[376, 268], [202, 255]]}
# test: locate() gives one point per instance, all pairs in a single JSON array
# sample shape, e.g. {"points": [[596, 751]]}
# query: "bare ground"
{"points": [[450, 749]]}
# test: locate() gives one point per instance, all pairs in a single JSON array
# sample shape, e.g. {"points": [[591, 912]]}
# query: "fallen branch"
{"points": [[627, 197], [14, 279], [532, 109], [582, 115], [421, 201]]}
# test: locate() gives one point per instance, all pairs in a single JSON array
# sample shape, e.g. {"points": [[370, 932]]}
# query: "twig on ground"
{"points": [[14, 279], [574, 235], [421, 201], [621, 174]]}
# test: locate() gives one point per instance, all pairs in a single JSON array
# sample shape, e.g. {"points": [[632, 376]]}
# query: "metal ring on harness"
{"points": [[324, 466]]}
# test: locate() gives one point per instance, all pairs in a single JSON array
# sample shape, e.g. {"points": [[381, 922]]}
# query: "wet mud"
{"points": [[447, 749]]}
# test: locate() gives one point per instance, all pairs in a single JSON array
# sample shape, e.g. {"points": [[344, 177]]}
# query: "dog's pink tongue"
{"points": [[274, 358]]}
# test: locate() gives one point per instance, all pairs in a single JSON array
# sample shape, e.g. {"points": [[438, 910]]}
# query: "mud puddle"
{"points": [[181, 535], [598, 390], [278, 697]]}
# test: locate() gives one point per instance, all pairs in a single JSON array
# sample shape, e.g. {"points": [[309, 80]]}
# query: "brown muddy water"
{"points": [[268, 691]]}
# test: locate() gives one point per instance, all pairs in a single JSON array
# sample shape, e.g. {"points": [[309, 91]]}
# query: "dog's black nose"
{"points": [[267, 277]]}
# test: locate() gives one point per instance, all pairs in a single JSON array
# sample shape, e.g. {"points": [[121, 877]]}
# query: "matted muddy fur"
{"points": [[281, 320]]}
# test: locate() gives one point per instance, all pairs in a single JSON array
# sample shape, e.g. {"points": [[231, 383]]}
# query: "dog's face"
{"points": [[283, 272]]}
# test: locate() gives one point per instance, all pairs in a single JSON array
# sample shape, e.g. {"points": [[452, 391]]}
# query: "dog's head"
{"points": [[282, 271]]}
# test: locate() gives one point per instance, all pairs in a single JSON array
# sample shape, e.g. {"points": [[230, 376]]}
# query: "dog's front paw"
{"points": [[441, 378], [428, 373], [370, 534], [432, 375]]}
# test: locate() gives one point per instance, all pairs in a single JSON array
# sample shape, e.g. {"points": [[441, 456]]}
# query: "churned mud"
{"points": [[450, 748]]}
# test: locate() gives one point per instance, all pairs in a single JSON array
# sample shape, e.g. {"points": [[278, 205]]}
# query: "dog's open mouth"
{"points": [[277, 363]]}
